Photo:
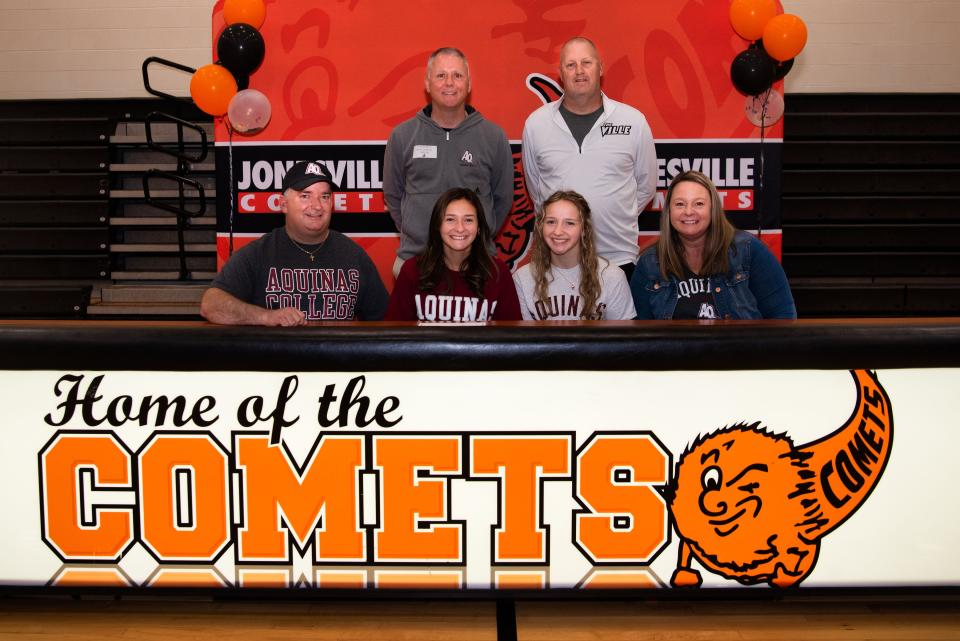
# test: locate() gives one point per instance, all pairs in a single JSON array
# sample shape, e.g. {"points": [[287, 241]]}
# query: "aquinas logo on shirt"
{"points": [[694, 295], [610, 129], [321, 294], [453, 309], [466, 158], [693, 286], [564, 306]]}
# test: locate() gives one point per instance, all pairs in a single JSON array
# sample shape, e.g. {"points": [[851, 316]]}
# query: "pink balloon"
{"points": [[765, 109], [249, 111]]}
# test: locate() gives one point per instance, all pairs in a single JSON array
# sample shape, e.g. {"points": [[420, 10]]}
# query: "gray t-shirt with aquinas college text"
{"points": [[333, 281]]}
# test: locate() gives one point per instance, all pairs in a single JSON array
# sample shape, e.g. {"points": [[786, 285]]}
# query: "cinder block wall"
{"points": [[864, 46], [94, 48]]}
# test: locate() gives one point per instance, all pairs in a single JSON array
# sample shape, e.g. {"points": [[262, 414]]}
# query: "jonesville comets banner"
{"points": [[341, 75], [391, 479]]}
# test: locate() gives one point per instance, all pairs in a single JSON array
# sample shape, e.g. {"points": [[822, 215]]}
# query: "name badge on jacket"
{"points": [[424, 151]]}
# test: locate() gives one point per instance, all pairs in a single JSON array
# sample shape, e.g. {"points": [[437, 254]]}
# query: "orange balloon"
{"points": [[212, 87], [251, 12], [749, 17], [784, 37]]}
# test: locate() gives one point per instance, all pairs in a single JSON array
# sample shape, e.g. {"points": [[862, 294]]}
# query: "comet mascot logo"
{"points": [[751, 506]]}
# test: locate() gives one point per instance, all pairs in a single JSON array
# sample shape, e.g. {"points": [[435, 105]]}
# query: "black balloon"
{"points": [[780, 69], [243, 81], [752, 72], [240, 49]]}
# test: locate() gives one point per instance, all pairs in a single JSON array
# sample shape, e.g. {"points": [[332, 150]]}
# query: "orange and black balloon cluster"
{"points": [[776, 39], [240, 51]]}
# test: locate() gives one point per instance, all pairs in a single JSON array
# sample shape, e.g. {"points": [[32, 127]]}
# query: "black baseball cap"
{"points": [[305, 173]]}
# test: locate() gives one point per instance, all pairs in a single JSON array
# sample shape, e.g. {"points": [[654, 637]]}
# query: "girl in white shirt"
{"points": [[565, 279]]}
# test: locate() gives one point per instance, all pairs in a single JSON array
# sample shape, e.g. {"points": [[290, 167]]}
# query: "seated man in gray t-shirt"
{"points": [[303, 271]]}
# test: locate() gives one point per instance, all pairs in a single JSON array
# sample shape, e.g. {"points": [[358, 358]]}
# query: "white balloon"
{"points": [[248, 111], [764, 109]]}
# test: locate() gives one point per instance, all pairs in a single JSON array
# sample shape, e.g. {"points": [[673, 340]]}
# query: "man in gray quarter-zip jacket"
{"points": [[447, 144], [596, 146]]}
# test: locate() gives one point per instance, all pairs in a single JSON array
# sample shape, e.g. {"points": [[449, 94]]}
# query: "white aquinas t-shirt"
{"points": [[563, 300]]}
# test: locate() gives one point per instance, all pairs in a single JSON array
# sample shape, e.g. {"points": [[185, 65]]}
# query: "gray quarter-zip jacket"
{"points": [[422, 160]]}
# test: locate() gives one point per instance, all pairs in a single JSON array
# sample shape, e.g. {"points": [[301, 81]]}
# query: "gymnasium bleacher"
{"points": [[80, 238], [871, 188]]}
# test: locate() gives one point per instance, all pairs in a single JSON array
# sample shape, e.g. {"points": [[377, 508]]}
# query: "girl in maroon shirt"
{"points": [[455, 280]]}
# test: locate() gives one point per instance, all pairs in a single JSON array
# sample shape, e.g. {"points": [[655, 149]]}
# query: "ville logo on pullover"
{"points": [[610, 129]]}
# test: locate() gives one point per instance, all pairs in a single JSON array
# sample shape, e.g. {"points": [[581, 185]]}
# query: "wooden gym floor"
{"points": [[166, 619]]}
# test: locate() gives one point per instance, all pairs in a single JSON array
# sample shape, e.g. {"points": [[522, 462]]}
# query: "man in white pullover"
{"points": [[596, 146]]}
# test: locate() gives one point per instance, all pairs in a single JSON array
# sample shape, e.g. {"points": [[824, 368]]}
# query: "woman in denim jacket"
{"points": [[702, 267]]}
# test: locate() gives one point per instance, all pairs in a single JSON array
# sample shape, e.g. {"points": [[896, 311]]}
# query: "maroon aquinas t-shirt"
{"points": [[453, 301]]}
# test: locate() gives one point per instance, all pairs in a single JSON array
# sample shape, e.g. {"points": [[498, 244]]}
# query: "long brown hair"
{"points": [[540, 254], [719, 238], [477, 268]]}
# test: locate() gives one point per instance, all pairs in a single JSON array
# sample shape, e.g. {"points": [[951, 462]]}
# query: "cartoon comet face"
{"points": [[737, 501], [752, 507]]}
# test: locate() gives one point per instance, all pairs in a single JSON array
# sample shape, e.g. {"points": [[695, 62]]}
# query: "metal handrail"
{"points": [[181, 153], [184, 159], [180, 210], [165, 63]]}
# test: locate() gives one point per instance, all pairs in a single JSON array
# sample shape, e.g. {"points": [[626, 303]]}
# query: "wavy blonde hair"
{"points": [[540, 264], [719, 235]]}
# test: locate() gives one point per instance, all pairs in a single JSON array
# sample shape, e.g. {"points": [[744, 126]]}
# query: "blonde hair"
{"points": [[719, 237], [540, 264]]}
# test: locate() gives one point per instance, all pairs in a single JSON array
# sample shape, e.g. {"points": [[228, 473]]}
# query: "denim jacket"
{"points": [[753, 287]]}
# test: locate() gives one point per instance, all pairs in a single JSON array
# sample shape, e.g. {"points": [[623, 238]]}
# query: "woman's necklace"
{"points": [[308, 253], [557, 270]]}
